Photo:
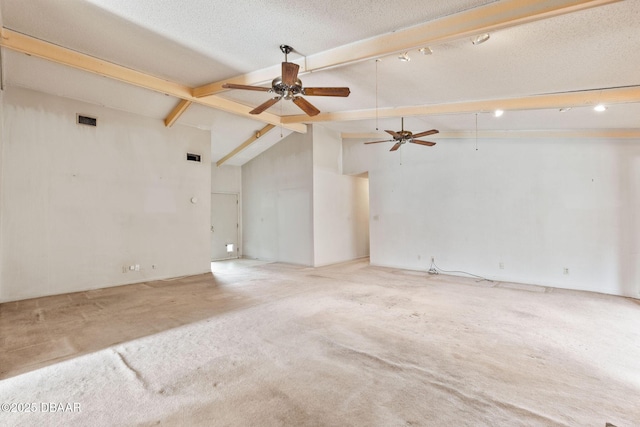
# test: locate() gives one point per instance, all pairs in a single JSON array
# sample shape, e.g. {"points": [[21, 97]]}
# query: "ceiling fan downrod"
{"points": [[286, 50]]}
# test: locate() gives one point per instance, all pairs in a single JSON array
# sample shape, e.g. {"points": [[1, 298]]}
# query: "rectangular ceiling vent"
{"points": [[86, 120], [193, 157]]}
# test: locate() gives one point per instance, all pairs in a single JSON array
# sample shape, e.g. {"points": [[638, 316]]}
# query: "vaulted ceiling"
{"points": [[168, 59]]}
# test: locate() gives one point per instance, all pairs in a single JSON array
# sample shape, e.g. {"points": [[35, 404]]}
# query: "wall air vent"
{"points": [[86, 120], [193, 157]]}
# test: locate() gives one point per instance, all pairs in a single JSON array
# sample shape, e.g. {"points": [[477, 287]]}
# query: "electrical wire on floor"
{"points": [[434, 269]]}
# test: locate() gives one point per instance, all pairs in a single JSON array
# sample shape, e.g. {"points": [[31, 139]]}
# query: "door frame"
{"points": [[238, 253]]}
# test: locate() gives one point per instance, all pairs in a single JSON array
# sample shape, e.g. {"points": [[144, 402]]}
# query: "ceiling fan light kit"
{"points": [[289, 87]]}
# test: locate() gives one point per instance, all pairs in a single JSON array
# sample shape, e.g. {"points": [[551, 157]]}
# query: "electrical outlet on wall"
{"points": [[565, 271], [501, 265]]}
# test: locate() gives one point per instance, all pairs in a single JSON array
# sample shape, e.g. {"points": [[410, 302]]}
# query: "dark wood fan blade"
{"points": [[425, 133], [260, 108], [396, 146], [428, 143], [327, 91], [394, 134], [289, 73], [375, 142], [245, 87], [306, 106]]}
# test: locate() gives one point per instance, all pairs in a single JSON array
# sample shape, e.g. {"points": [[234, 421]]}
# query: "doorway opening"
{"points": [[225, 226]]}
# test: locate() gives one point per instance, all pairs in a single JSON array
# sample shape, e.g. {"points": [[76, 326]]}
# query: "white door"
{"points": [[224, 226]]}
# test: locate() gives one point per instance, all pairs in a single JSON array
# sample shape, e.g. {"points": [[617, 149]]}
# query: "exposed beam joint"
{"points": [[176, 112], [535, 102], [245, 144], [61, 55], [491, 17]]}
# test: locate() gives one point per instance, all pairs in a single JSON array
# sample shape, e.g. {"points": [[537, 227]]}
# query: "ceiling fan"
{"points": [[288, 86], [406, 136]]}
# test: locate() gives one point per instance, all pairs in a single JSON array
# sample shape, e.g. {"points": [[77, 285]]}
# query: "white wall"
{"points": [[277, 208], [226, 179], [1, 151], [340, 204], [81, 202], [536, 205], [1, 180]]}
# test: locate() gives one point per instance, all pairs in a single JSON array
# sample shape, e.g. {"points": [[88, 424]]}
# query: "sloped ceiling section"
{"points": [[591, 46]]}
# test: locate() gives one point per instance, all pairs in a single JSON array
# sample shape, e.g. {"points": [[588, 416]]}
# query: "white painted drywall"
{"points": [[226, 179], [2, 80], [340, 203], [277, 208], [82, 202], [536, 205], [1, 175]]}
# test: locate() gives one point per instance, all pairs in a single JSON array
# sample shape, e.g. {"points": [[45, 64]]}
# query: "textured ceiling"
{"points": [[200, 41]]}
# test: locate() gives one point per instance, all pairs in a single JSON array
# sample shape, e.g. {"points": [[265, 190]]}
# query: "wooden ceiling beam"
{"points": [[245, 144], [176, 112], [61, 55], [584, 98], [491, 17]]}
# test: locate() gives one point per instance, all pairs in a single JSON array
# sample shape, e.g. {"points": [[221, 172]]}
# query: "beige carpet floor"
{"points": [[345, 345]]}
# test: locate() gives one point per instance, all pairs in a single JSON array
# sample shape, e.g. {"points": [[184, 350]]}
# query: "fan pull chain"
{"points": [[476, 131]]}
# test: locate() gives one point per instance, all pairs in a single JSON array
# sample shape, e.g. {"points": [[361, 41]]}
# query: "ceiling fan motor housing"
{"points": [[286, 91], [405, 136]]}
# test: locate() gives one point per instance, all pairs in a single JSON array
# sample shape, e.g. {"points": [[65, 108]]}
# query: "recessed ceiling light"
{"points": [[600, 108], [425, 50], [404, 57], [498, 113], [480, 39], [564, 109]]}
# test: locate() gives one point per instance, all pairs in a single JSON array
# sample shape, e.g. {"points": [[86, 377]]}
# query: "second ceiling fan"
{"points": [[288, 86], [404, 136]]}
